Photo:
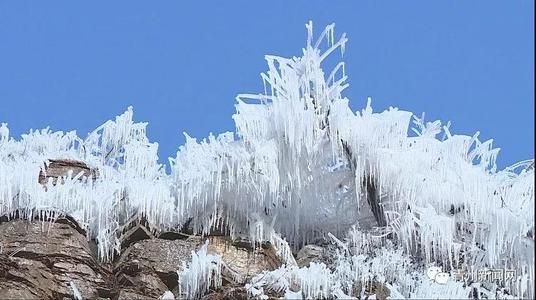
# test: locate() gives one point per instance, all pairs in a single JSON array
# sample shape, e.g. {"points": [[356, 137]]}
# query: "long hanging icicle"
{"points": [[301, 164]]}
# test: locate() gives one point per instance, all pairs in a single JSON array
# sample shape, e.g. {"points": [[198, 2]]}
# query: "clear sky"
{"points": [[73, 65]]}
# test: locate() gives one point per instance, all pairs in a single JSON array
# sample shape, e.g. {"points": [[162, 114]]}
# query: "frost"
{"points": [[301, 164], [318, 281], [201, 274], [290, 295], [4, 133], [168, 295]]}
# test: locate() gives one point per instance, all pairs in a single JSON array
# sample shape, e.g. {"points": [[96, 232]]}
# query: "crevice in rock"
{"points": [[110, 293], [374, 200], [135, 234], [370, 185], [170, 279], [173, 235]]}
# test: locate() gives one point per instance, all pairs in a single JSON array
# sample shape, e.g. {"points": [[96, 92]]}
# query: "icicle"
{"points": [[168, 295], [300, 154], [76, 293], [201, 274]]}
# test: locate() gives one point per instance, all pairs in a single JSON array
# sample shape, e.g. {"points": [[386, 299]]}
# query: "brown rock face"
{"points": [[241, 261], [227, 293], [42, 260], [149, 267], [49, 260], [58, 168]]}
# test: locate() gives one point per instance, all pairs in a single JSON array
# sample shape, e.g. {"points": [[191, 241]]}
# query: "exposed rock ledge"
{"points": [[47, 260], [54, 260]]}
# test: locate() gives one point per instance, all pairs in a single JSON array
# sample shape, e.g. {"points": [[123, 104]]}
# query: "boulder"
{"points": [[227, 293], [58, 168], [134, 230], [241, 261], [149, 267], [45, 260], [308, 254], [52, 259]]}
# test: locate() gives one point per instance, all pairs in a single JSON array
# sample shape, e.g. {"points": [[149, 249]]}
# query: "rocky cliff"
{"points": [[54, 260]]}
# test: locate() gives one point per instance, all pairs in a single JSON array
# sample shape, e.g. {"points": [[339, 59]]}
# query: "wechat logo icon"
{"points": [[437, 275]]}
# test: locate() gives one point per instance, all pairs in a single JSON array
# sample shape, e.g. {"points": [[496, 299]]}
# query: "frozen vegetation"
{"points": [[394, 192]]}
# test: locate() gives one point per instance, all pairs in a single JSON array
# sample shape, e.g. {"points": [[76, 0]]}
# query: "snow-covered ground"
{"points": [[397, 193]]}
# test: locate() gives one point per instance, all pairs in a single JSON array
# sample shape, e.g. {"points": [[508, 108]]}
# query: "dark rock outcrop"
{"points": [[149, 267], [58, 168]]}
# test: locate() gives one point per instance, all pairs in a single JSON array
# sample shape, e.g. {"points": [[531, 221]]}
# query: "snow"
{"points": [[295, 170]]}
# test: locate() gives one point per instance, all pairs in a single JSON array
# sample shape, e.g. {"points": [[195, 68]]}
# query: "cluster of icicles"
{"points": [[296, 165]]}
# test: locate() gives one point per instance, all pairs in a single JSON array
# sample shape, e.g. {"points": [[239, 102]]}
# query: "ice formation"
{"points": [[301, 165], [201, 274], [168, 295], [76, 291]]}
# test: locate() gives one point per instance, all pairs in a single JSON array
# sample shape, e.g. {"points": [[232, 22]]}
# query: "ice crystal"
{"points": [[300, 165], [201, 274]]}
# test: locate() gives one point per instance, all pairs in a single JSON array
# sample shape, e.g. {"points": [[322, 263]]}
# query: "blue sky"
{"points": [[71, 65]]}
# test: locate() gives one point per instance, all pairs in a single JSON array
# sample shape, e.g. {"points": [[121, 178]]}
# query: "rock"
{"points": [[173, 235], [136, 229], [126, 294], [372, 288], [241, 261], [41, 259], [135, 234], [149, 267], [47, 259], [58, 168], [308, 254], [227, 293]]}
